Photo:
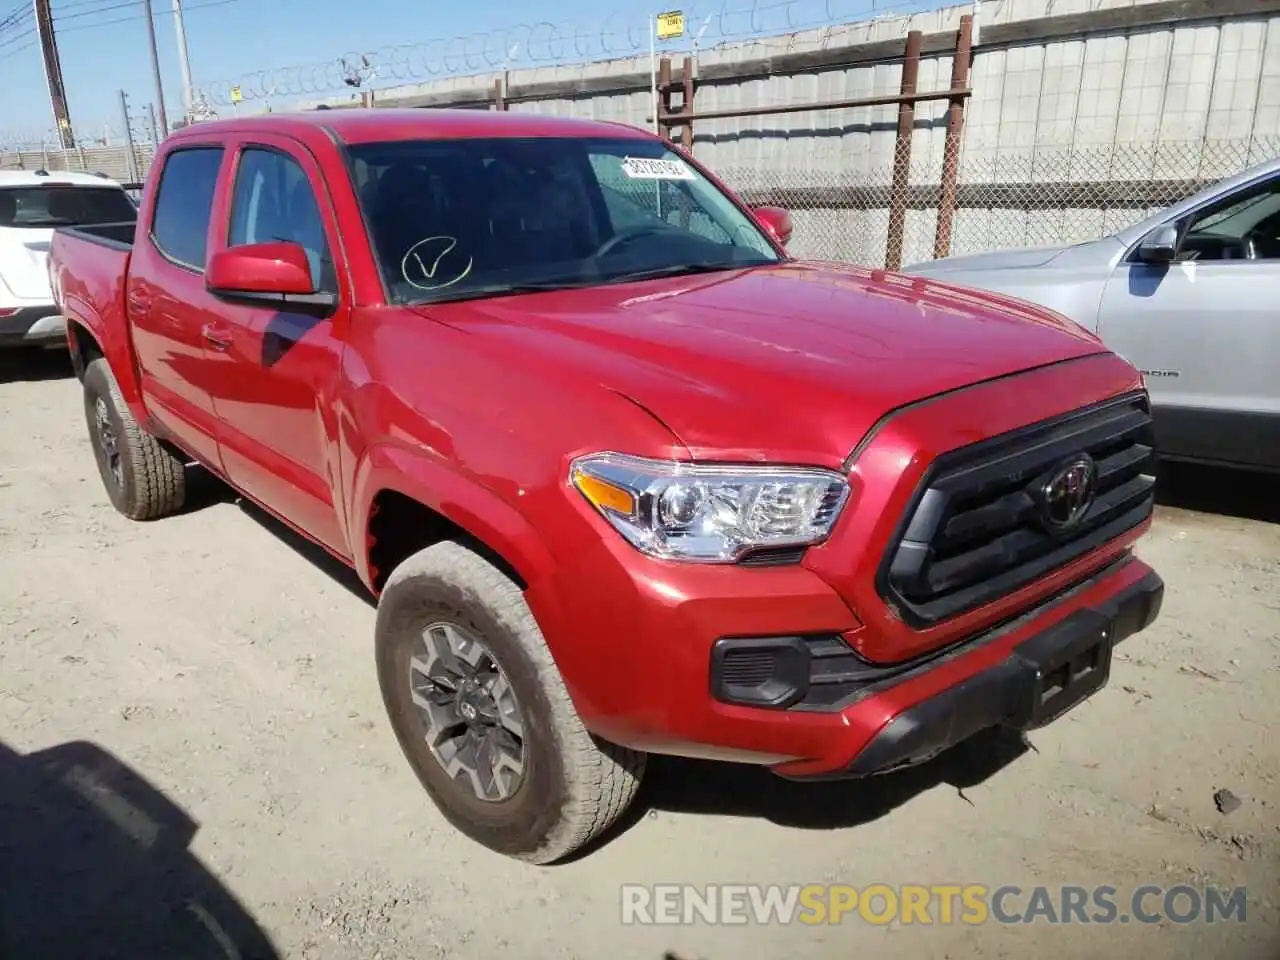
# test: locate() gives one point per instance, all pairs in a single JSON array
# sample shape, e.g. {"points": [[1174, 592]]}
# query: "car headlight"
{"points": [[709, 513]]}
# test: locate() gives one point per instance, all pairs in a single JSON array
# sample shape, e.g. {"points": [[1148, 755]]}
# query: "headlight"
{"points": [[683, 511]]}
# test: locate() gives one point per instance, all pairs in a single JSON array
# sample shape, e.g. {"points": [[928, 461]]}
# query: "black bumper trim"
{"points": [[14, 326], [1020, 690]]}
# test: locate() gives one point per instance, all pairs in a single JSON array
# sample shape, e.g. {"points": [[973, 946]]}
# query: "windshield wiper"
{"points": [[677, 269], [505, 290], [571, 283]]}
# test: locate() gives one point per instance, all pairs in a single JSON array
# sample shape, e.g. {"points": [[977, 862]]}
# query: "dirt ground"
{"points": [[218, 675]]}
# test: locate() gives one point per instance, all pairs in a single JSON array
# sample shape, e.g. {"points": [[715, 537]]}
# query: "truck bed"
{"points": [[87, 269], [119, 235]]}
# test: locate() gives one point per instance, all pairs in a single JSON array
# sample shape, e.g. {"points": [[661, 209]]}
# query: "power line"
{"points": [[140, 15], [75, 4], [92, 13], [17, 50], [29, 32], [112, 5], [15, 18]]}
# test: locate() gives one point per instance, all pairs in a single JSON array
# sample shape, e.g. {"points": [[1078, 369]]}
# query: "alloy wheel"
{"points": [[470, 716]]}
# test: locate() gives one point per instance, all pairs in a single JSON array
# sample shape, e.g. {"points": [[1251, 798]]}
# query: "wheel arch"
{"points": [[90, 337], [406, 500]]}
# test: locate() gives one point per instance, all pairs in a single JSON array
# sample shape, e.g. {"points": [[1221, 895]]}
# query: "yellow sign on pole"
{"points": [[671, 25], [235, 94]]}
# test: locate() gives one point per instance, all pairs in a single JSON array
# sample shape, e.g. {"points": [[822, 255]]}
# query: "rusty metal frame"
{"points": [[902, 152], [947, 195], [908, 96]]}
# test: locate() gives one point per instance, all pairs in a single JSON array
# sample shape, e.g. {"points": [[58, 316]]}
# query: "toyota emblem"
{"points": [[1066, 496]]}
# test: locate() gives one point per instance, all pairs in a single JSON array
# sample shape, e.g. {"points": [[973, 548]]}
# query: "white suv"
{"points": [[32, 204]]}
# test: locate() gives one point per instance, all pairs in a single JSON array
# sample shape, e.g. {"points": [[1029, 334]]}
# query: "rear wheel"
{"points": [[483, 716], [143, 479]]}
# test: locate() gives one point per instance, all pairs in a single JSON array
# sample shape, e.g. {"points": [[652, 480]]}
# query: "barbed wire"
{"points": [[97, 135], [540, 43]]}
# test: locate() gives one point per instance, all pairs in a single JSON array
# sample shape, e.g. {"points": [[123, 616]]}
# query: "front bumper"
{"points": [[1042, 677], [639, 654], [35, 325]]}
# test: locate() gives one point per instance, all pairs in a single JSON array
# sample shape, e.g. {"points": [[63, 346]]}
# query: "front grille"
{"points": [[975, 530]]}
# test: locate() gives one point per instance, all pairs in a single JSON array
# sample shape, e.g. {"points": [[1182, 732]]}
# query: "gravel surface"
{"points": [[189, 714]]}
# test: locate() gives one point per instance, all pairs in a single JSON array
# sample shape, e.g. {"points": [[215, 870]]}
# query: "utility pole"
{"points": [[128, 138], [151, 120], [155, 61], [53, 73], [184, 61]]}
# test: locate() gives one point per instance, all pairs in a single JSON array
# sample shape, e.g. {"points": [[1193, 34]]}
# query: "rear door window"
{"points": [[184, 205], [59, 205]]}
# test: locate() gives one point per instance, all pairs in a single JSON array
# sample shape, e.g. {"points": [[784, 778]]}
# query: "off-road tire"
{"points": [[152, 480], [574, 786]]}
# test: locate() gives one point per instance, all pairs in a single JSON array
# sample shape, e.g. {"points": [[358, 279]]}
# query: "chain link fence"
{"points": [[122, 163], [1004, 198]]}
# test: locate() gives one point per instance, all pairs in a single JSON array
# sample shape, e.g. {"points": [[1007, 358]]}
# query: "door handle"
{"points": [[215, 338]]}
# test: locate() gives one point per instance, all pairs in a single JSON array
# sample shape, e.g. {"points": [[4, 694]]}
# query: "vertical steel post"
{"points": [[949, 187], [686, 132], [902, 153]]}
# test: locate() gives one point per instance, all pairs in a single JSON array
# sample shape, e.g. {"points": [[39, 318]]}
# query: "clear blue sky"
{"points": [[103, 43]]}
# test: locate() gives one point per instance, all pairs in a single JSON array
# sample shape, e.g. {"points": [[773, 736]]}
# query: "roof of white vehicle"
{"points": [[32, 178]]}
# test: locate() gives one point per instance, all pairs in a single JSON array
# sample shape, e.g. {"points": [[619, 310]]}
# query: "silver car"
{"points": [[1190, 296]]}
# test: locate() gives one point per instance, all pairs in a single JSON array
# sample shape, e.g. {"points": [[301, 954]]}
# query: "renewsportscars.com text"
{"points": [[944, 904]]}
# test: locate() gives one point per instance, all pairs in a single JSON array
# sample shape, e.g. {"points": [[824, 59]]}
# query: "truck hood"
{"points": [[790, 363], [23, 252]]}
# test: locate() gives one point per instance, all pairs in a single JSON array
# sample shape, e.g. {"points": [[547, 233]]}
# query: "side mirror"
{"points": [[776, 222], [265, 274], [1160, 245]]}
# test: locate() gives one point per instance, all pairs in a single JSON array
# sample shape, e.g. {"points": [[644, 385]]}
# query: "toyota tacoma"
{"points": [[624, 476]]}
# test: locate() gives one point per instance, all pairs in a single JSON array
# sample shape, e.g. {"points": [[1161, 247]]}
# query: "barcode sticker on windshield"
{"points": [[644, 168]]}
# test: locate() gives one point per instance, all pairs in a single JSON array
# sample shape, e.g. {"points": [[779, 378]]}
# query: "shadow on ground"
{"points": [[735, 790], [19, 364], [1228, 493], [317, 555], [94, 862]]}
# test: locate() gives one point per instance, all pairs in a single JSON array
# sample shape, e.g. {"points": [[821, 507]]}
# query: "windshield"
{"points": [[453, 219], [62, 206]]}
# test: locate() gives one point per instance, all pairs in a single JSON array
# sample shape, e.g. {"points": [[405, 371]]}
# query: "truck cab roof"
{"points": [[363, 125]]}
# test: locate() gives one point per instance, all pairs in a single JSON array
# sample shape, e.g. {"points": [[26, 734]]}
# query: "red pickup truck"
{"points": [[625, 477]]}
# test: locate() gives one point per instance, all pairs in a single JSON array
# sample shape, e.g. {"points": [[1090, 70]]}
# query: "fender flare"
{"points": [[426, 478], [110, 338]]}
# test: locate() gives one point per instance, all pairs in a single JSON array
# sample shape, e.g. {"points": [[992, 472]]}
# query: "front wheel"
{"points": [[143, 479], [483, 716]]}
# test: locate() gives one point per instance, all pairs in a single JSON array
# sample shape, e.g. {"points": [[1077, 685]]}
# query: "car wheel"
{"points": [[143, 479], [483, 716]]}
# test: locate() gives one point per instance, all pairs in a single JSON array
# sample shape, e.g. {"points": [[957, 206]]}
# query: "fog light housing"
{"points": [[760, 671]]}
